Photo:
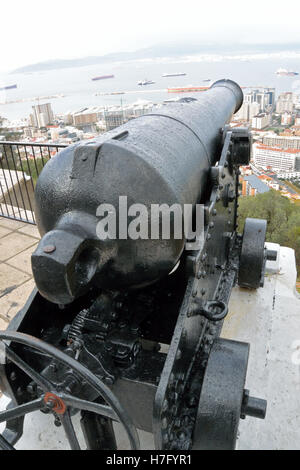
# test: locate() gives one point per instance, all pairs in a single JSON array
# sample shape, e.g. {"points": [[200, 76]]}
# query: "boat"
{"points": [[185, 89], [8, 87], [171, 100], [145, 82], [286, 73], [102, 77], [207, 80], [179, 74]]}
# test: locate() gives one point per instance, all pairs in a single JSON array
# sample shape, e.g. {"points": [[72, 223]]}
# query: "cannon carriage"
{"points": [[129, 329]]}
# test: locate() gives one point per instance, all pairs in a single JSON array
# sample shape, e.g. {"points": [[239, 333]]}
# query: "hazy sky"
{"points": [[37, 30]]}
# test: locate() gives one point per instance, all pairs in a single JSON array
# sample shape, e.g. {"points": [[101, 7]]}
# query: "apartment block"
{"points": [[276, 158], [284, 142]]}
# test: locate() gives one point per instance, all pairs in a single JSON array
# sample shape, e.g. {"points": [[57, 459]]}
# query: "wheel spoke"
{"points": [[98, 408], [21, 410], [69, 430], [83, 372], [37, 378]]}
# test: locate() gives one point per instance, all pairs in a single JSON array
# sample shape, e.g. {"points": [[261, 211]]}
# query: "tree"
{"points": [[8, 135]]}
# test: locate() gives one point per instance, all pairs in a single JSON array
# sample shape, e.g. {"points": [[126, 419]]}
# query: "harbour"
{"points": [[73, 88]]}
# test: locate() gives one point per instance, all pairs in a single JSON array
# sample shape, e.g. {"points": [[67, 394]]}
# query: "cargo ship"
{"points": [[286, 73], [145, 82], [8, 87], [102, 77], [190, 89], [179, 74]]}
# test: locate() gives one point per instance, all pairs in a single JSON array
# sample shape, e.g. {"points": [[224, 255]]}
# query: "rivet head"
{"points": [[49, 248]]}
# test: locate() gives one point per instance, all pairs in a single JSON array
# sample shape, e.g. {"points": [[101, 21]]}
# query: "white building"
{"points": [[42, 115], [247, 111], [287, 175], [260, 121], [285, 103], [286, 119], [276, 158], [284, 142]]}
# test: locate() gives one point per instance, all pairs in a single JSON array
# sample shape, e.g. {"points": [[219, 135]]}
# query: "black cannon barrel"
{"points": [[159, 158]]}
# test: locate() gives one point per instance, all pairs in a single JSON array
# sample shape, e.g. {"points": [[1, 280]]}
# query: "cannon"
{"points": [[128, 328]]}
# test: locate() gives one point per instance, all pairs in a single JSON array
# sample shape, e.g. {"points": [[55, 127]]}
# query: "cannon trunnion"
{"points": [[129, 330]]}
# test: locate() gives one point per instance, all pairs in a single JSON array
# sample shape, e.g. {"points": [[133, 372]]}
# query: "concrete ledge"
{"points": [[269, 319]]}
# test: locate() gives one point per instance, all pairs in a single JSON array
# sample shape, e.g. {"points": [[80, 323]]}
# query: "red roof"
{"points": [[277, 149]]}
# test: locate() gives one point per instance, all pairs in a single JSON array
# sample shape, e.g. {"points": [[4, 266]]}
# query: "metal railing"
{"points": [[20, 166]]}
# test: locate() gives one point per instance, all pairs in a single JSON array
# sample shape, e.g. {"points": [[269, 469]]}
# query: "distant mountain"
{"points": [[171, 50]]}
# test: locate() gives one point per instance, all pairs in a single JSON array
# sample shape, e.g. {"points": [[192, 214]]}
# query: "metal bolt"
{"points": [[13, 376], [178, 354], [165, 405], [50, 404], [53, 367], [108, 380], [164, 423], [31, 388], [192, 401], [122, 351], [134, 329], [108, 346], [49, 248]]}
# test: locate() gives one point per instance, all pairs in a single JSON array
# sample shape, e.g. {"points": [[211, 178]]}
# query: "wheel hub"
{"points": [[54, 402]]}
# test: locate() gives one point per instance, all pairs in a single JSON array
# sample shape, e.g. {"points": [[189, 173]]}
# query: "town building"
{"points": [[289, 175], [87, 116], [263, 97], [252, 185], [285, 142], [42, 115], [114, 119], [260, 121], [286, 119], [275, 158], [247, 111], [285, 103]]}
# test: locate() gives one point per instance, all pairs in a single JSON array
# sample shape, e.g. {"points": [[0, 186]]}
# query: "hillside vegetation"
{"points": [[283, 219]]}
